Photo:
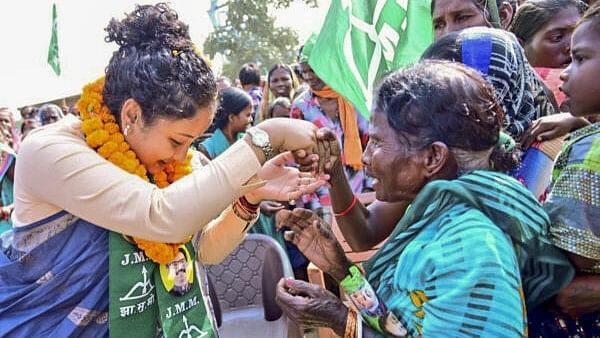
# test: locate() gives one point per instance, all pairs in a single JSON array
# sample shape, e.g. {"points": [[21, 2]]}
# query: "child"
{"points": [[574, 200], [280, 108]]}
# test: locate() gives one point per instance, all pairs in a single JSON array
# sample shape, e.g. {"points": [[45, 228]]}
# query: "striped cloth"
{"points": [[574, 200], [463, 256]]}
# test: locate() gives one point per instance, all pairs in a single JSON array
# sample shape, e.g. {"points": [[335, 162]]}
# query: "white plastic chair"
{"points": [[244, 288]]}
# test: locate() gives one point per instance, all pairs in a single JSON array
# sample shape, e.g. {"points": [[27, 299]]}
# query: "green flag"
{"points": [[53, 60], [362, 40]]}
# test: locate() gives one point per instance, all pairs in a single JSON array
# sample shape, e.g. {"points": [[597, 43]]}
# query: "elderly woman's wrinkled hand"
{"points": [[284, 183], [310, 305], [328, 153], [315, 239]]}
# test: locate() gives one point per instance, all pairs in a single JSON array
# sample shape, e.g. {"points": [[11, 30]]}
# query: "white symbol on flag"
{"points": [[385, 42], [143, 288], [190, 331]]}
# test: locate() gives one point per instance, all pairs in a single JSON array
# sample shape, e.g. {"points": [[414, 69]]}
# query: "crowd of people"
{"points": [[484, 157]]}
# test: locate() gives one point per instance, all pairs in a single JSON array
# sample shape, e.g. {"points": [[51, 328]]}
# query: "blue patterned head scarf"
{"points": [[499, 57]]}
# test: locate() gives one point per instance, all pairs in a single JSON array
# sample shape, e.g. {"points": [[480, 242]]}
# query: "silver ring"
{"points": [[291, 201]]}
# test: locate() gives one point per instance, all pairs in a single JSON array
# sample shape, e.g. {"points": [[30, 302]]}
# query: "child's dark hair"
{"points": [[157, 66], [232, 101], [278, 102], [249, 75], [447, 102], [447, 47]]}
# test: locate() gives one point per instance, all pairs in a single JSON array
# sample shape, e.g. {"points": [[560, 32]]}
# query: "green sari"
{"points": [[466, 257]]}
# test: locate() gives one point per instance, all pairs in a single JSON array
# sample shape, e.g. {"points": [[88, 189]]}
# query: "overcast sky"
{"points": [[26, 26]]}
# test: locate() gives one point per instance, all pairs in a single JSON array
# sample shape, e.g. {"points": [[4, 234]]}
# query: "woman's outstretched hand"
{"points": [[315, 239], [284, 183]]}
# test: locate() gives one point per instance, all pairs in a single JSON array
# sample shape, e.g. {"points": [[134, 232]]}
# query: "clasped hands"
{"points": [[308, 304], [285, 182]]}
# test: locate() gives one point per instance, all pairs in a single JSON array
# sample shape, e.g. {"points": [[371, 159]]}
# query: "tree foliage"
{"points": [[250, 35], [287, 3]]}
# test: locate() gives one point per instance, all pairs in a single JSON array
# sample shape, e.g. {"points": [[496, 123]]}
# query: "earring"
{"points": [[126, 131]]}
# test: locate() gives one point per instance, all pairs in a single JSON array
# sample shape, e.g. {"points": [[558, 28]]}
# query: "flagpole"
{"points": [[53, 59]]}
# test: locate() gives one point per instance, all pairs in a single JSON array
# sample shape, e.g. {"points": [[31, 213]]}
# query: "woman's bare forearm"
{"points": [[362, 227]]}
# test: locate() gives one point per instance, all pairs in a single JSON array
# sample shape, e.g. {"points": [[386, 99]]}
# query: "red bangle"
{"points": [[348, 209], [247, 205]]}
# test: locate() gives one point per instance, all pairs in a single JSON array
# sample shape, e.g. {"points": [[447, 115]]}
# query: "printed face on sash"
{"points": [[178, 275], [393, 327], [365, 299]]}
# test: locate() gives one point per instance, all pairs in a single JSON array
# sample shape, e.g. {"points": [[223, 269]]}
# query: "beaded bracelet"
{"points": [[243, 204], [351, 324]]}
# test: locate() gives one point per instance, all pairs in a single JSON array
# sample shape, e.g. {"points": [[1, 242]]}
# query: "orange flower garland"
{"points": [[103, 134]]}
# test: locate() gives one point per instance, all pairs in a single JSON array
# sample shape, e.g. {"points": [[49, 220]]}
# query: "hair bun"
{"points": [[150, 27]]}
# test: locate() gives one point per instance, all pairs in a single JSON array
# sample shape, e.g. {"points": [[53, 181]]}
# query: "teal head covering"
{"points": [[307, 49]]}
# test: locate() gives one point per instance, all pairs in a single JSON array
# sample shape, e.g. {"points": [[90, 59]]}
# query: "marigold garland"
{"points": [[103, 134]]}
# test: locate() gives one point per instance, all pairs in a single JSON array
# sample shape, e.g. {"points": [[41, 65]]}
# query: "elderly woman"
{"points": [[8, 127], [471, 243], [497, 55]]}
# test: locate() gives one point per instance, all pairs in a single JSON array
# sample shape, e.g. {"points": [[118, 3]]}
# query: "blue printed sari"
{"points": [[54, 280]]}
